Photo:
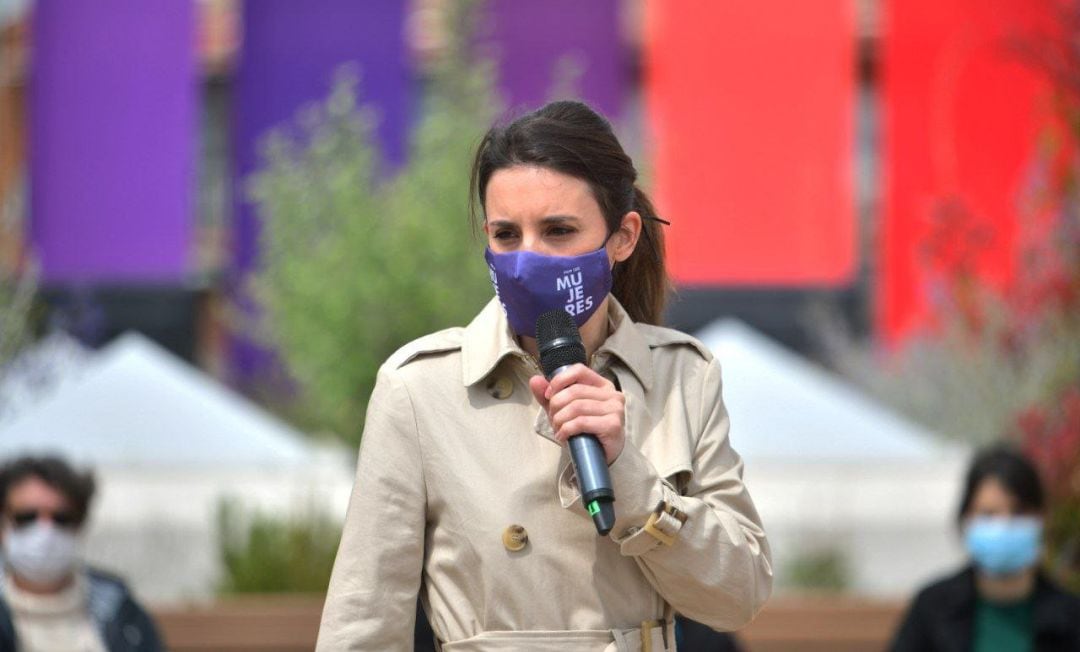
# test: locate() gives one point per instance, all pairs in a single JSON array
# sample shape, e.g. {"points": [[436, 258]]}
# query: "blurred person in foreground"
{"points": [[50, 601], [464, 488], [1002, 602]]}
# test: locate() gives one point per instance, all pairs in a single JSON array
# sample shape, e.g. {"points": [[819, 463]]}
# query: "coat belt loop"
{"points": [[647, 627], [623, 640]]}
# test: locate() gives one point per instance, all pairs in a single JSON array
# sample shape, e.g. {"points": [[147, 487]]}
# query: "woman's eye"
{"points": [[503, 234], [560, 231]]}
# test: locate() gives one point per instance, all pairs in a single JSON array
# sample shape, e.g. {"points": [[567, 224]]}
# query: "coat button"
{"points": [[133, 635], [515, 537], [501, 388]]}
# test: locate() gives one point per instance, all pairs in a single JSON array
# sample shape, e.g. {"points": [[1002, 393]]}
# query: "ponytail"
{"points": [[640, 282]]}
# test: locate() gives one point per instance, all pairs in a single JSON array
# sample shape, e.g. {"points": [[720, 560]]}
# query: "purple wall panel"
{"points": [[113, 128], [530, 37], [289, 54]]}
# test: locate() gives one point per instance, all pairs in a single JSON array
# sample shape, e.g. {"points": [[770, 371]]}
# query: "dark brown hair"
{"points": [[571, 138], [1014, 471], [77, 487]]}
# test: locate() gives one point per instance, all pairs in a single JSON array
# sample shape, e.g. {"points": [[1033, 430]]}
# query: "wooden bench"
{"points": [[290, 624], [264, 623], [822, 624]]}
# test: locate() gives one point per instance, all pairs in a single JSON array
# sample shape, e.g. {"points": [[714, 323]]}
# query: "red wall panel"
{"points": [[751, 107], [962, 115]]}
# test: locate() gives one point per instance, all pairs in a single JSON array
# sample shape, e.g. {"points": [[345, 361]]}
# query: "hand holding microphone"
{"points": [[585, 410], [567, 399]]}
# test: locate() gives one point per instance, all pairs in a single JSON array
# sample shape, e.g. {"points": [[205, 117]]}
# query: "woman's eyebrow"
{"points": [[544, 221], [558, 219]]}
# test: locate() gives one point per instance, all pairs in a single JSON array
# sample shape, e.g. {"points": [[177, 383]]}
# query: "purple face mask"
{"points": [[530, 284]]}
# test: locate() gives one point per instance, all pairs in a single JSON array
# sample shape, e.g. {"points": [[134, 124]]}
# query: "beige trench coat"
{"points": [[456, 451]]}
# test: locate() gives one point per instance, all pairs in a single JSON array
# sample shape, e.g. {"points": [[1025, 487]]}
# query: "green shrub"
{"points": [[820, 570], [19, 311], [356, 261], [261, 553]]}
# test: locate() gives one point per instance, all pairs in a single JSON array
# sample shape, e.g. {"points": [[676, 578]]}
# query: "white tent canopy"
{"points": [[134, 404], [783, 407], [832, 470]]}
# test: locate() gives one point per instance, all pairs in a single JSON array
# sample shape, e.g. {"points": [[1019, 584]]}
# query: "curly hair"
{"points": [[78, 487]]}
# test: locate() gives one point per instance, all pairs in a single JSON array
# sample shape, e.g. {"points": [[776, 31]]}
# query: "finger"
{"points": [[604, 427], [538, 386], [586, 408], [577, 374], [582, 392], [612, 444]]}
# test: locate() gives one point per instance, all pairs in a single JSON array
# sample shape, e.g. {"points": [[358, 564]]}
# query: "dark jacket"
{"points": [[692, 636], [942, 617], [123, 624]]}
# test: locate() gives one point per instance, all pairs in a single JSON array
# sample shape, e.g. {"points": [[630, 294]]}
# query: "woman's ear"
{"points": [[624, 240]]}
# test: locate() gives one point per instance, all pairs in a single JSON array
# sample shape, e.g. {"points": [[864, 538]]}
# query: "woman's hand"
{"points": [[580, 400]]}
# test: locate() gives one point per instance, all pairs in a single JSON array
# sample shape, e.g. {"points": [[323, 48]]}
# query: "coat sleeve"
{"points": [[912, 636], [132, 615], [718, 569], [371, 602]]}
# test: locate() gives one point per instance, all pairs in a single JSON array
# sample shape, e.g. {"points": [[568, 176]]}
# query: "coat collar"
{"points": [[488, 339], [626, 342]]}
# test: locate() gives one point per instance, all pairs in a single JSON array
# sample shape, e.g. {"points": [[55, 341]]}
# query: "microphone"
{"points": [[560, 346]]}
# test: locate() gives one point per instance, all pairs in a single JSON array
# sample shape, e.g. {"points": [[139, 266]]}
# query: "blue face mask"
{"points": [[529, 284], [1003, 546]]}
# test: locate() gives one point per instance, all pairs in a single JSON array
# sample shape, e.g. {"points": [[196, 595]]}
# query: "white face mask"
{"points": [[40, 552]]}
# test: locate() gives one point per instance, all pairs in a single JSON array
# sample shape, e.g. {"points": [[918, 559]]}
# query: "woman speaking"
{"points": [[465, 491]]}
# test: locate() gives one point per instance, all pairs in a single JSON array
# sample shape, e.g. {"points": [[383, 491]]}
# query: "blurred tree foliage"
{"points": [[17, 292], [1004, 364], [19, 311], [824, 569], [358, 259], [272, 554]]}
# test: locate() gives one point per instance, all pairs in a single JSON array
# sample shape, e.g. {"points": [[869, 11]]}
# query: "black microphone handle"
{"points": [[594, 481]]}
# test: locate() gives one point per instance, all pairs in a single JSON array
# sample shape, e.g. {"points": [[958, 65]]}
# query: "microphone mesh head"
{"points": [[558, 340], [554, 324]]}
